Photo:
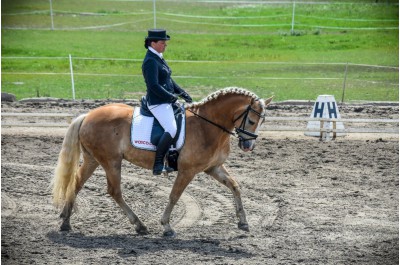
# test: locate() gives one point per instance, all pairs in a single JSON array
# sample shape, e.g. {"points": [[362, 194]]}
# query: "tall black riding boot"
{"points": [[162, 149]]}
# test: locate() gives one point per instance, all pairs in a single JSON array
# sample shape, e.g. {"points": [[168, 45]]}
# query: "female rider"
{"points": [[162, 92]]}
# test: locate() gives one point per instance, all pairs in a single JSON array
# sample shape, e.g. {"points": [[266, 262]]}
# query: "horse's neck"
{"points": [[222, 111]]}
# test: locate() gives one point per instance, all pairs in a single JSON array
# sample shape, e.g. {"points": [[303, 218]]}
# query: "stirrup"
{"points": [[157, 172], [165, 169], [168, 169]]}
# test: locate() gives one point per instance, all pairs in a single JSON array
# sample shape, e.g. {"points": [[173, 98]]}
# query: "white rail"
{"points": [[266, 127], [38, 114], [348, 130], [322, 129], [33, 123], [331, 120]]}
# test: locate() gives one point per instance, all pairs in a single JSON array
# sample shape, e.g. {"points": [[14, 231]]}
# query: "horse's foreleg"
{"points": [[85, 171], [181, 182], [114, 189], [221, 174]]}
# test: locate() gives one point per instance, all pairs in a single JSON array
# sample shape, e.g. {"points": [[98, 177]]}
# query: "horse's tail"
{"points": [[64, 180]]}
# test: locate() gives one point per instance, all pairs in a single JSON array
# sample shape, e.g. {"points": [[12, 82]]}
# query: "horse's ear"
{"points": [[268, 100]]}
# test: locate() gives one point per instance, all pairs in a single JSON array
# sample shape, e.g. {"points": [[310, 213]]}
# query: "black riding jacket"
{"points": [[157, 75]]}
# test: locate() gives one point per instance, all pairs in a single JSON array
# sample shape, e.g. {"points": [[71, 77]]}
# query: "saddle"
{"points": [[146, 131]]}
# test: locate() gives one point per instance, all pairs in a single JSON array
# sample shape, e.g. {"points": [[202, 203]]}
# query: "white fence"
{"points": [[292, 20], [338, 75], [324, 128], [289, 19], [268, 126], [13, 122]]}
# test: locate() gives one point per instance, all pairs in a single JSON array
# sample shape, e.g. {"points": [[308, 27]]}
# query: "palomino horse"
{"points": [[103, 138]]}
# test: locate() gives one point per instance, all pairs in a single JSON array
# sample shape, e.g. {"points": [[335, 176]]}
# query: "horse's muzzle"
{"points": [[247, 145]]}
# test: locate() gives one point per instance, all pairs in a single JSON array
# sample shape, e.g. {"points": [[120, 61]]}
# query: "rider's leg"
{"points": [[165, 116]]}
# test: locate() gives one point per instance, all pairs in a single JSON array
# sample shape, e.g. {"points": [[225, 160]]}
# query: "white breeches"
{"points": [[165, 116]]}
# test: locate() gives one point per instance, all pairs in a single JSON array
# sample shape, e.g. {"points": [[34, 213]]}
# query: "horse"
{"points": [[102, 138]]}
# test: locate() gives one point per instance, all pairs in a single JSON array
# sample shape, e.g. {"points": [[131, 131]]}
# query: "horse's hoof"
{"points": [[170, 234], [142, 231], [65, 228], [244, 227]]}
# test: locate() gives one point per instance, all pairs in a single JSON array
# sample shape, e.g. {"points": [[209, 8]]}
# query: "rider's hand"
{"points": [[187, 98], [174, 99]]}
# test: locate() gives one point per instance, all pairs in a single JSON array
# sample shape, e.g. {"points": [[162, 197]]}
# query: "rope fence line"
{"points": [[335, 76], [191, 61], [266, 2], [346, 28], [47, 12], [207, 77], [291, 18], [197, 23], [196, 62], [39, 12]]}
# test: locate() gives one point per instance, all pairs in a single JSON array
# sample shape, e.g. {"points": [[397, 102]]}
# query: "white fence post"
{"points": [[51, 15], [72, 77], [294, 7], [344, 81], [154, 13]]}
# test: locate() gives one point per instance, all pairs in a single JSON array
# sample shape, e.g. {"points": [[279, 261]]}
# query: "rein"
{"points": [[213, 123], [241, 129]]}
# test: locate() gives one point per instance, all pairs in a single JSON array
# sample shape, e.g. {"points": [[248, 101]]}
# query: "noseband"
{"points": [[241, 130]]}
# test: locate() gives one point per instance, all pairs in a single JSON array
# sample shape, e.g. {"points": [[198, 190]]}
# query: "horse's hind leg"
{"points": [[113, 172], [221, 174], [87, 168]]}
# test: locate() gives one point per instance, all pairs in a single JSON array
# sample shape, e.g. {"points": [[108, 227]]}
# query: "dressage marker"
{"points": [[325, 107]]}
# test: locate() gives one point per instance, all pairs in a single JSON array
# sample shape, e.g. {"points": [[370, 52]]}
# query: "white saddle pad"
{"points": [[141, 132]]}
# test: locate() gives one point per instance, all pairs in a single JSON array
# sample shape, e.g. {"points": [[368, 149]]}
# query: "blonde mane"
{"points": [[225, 91]]}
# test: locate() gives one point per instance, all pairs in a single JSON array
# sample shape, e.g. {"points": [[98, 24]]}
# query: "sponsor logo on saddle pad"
{"points": [[141, 129], [142, 142]]}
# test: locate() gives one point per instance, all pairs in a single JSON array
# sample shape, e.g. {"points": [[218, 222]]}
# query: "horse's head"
{"points": [[248, 122]]}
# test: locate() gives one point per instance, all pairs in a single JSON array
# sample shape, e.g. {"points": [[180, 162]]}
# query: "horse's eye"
{"points": [[251, 122]]}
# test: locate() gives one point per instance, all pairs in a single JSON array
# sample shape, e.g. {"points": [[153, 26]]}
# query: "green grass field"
{"points": [[214, 45]]}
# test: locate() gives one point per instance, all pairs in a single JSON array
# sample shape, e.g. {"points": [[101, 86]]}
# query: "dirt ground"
{"points": [[307, 201]]}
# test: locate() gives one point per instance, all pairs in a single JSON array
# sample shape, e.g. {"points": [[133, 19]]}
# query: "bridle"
{"points": [[241, 130]]}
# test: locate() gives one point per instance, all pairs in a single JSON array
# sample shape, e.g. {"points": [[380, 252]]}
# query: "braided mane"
{"points": [[225, 91]]}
